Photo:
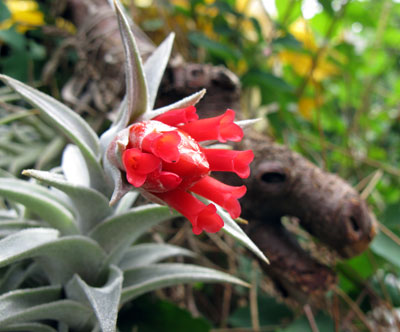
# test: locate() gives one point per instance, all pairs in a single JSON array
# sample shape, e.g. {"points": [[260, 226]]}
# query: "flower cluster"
{"points": [[163, 158]]}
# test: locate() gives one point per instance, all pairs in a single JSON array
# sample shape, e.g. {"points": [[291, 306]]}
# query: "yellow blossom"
{"points": [[25, 14], [301, 62], [307, 104]]}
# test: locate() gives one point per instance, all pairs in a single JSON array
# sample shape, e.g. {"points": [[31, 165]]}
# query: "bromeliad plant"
{"points": [[69, 258]]}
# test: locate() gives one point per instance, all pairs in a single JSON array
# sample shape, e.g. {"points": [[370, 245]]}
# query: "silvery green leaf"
{"points": [[24, 159], [39, 304], [12, 226], [150, 253], [31, 327], [5, 174], [234, 230], [126, 202], [60, 116], [155, 65], [144, 279], [136, 87], [14, 303], [50, 152], [116, 233], [41, 201], [247, 123], [185, 102], [60, 257], [103, 300], [69, 122], [16, 116], [69, 255], [14, 247], [91, 205], [135, 102], [16, 274], [113, 165], [74, 166]]}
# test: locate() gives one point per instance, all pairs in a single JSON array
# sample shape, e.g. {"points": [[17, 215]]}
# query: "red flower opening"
{"points": [[230, 161], [221, 128], [163, 157], [178, 116]]}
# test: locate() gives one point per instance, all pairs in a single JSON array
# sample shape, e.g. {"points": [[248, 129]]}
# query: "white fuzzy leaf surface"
{"points": [[103, 300], [91, 206], [154, 67], [59, 257], [150, 253], [31, 327], [41, 201], [148, 278], [117, 233]]}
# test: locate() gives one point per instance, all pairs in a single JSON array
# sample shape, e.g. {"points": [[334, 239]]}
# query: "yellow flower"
{"points": [[25, 15], [253, 9], [302, 62], [302, 32], [306, 105]]}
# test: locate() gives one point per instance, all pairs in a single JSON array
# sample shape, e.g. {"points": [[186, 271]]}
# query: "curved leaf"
{"points": [[74, 314], [148, 278], [31, 327], [126, 202], [70, 255], [60, 116], [15, 276], [14, 247], [16, 302], [70, 123], [136, 87], [234, 230], [185, 102], [13, 226], [103, 300], [41, 201], [91, 205], [135, 102], [155, 65], [115, 234], [74, 166], [150, 253], [60, 257]]}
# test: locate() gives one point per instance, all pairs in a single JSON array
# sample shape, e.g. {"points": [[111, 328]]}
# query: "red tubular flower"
{"points": [[230, 161], [202, 217], [138, 165], [221, 128], [220, 193], [178, 116], [163, 158]]}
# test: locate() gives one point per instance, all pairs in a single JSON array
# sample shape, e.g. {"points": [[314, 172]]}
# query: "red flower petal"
{"points": [[163, 145], [159, 182], [221, 194], [192, 164], [138, 165], [220, 128], [208, 220], [178, 116], [230, 161], [201, 216]]}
